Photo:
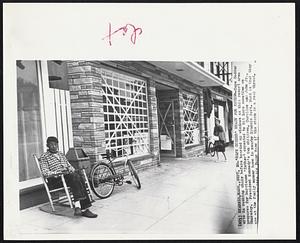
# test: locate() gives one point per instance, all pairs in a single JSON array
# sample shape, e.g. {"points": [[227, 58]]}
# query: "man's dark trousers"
{"points": [[76, 183]]}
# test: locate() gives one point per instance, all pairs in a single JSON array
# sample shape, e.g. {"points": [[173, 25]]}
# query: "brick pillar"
{"points": [[181, 142], [87, 108], [178, 125], [201, 115], [153, 120]]}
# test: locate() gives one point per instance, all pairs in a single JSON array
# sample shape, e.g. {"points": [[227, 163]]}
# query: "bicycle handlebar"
{"points": [[110, 155]]}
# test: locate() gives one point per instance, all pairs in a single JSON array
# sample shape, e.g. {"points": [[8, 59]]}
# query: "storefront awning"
{"points": [[190, 71]]}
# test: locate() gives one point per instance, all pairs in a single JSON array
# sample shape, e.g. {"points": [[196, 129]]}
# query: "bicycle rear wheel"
{"points": [[134, 175], [102, 180], [211, 149]]}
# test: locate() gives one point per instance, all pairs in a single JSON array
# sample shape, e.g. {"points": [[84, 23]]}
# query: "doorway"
{"points": [[167, 128], [167, 99]]}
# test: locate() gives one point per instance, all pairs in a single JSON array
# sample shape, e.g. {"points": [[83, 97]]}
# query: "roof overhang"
{"points": [[190, 71]]}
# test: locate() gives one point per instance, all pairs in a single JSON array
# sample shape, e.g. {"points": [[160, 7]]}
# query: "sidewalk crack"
{"points": [[175, 208]]}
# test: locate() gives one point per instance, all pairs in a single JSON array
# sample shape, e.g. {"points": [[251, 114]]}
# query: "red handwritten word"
{"points": [[124, 30]]}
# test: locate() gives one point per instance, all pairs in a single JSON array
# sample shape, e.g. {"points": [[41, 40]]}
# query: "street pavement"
{"points": [[182, 198]]}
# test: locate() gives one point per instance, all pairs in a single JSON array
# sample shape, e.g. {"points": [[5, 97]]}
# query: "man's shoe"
{"points": [[87, 213], [77, 212]]}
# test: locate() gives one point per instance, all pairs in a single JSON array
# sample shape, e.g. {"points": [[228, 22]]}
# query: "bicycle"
{"points": [[213, 147], [104, 177]]}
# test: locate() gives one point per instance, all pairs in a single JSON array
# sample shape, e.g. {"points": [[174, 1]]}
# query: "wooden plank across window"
{"points": [[125, 113]]}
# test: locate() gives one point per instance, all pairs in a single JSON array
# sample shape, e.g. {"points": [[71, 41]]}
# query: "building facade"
{"points": [[145, 109], [218, 99]]}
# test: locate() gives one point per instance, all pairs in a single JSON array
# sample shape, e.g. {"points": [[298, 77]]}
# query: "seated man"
{"points": [[54, 162]]}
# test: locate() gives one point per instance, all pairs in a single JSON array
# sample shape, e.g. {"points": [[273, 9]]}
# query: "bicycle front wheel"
{"points": [[102, 180], [134, 175], [211, 149]]}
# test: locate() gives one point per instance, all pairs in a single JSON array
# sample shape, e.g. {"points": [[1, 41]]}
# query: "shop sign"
{"points": [[219, 98]]}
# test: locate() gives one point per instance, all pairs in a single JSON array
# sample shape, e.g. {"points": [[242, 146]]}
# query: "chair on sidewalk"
{"points": [[68, 196]]}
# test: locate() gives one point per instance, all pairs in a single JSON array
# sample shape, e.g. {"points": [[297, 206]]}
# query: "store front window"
{"points": [[125, 114], [191, 119], [29, 119]]}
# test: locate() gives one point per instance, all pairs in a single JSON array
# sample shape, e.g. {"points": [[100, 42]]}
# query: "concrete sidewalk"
{"points": [[182, 197]]}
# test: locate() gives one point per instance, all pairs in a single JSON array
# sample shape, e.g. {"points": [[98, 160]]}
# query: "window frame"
{"points": [[39, 84], [48, 118], [222, 70], [186, 145], [127, 114]]}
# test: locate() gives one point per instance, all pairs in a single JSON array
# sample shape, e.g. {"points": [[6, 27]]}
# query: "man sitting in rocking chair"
{"points": [[54, 162]]}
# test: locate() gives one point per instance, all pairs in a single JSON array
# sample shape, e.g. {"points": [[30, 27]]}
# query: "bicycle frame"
{"points": [[105, 174], [211, 140], [118, 177]]}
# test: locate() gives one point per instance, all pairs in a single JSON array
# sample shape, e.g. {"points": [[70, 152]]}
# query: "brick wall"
{"points": [[201, 115], [193, 151], [153, 121], [87, 108]]}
